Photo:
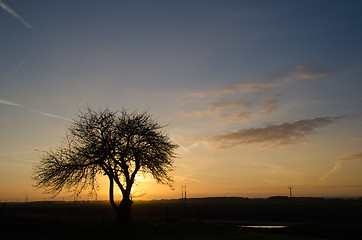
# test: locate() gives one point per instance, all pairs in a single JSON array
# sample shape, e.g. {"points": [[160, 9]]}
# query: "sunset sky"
{"points": [[261, 95]]}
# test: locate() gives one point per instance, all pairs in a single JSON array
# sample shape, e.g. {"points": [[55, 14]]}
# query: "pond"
{"points": [[261, 226]]}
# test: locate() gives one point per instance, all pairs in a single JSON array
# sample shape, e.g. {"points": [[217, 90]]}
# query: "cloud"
{"points": [[301, 72], [352, 156], [239, 116], [236, 110], [338, 164], [17, 158], [272, 135], [194, 114], [6, 102], [268, 106], [220, 106], [247, 87], [15, 15], [20, 65], [17, 153], [49, 115], [236, 88], [297, 73]]}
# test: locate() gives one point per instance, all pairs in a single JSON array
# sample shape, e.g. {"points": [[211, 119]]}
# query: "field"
{"points": [[208, 218]]}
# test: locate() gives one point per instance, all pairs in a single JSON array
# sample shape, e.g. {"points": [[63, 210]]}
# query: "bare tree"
{"points": [[116, 144]]}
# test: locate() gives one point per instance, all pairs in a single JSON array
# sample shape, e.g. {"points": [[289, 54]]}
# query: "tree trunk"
{"points": [[124, 211], [111, 194]]}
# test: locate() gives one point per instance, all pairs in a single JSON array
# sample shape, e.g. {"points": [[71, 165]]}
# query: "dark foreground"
{"points": [[199, 219], [25, 228]]}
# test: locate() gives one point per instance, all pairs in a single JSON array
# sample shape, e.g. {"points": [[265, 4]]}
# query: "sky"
{"points": [[260, 95]]}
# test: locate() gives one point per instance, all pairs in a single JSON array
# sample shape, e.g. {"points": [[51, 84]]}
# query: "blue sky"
{"points": [[271, 80]]}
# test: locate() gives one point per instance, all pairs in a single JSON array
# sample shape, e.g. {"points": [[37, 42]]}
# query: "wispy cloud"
{"points": [[222, 105], [268, 106], [352, 156], [228, 106], [6, 102], [15, 15], [338, 164], [297, 73], [272, 135], [49, 115], [236, 110], [220, 111], [20, 65], [18, 153], [16, 158]]}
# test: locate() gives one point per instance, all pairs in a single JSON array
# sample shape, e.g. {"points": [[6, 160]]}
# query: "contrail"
{"points": [[14, 14], [50, 115], [22, 63], [336, 167], [180, 145], [338, 164], [17, 153], [6, 102], [2, 101]]}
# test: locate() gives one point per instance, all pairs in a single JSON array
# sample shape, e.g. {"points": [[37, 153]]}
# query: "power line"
{"points": [[318, 187], [282, 188]]}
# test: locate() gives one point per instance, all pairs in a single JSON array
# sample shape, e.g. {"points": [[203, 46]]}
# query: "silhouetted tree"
{"points": [[116, 144]]}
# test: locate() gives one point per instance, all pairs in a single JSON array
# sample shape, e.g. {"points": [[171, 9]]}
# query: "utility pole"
{"points": [[290, 195], [183, 195]]}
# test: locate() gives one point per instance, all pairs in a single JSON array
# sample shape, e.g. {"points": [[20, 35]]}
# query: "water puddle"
{"points": [[262, 226]]}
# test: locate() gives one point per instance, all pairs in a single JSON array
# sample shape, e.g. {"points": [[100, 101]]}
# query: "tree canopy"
{"points": [[117, 144]]}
